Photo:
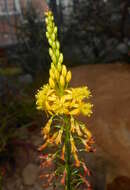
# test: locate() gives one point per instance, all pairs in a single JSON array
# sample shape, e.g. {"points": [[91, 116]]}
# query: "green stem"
{"points": [[67, 155]]}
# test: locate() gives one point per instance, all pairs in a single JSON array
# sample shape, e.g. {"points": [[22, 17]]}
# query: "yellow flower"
{"points": [[42, 96]]}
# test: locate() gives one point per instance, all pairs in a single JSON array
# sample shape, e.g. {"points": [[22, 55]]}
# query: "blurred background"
{"points": [[95, 40]]}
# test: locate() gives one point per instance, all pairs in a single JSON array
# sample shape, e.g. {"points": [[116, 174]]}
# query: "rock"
{"points": [[26, 79], [30, 174]]}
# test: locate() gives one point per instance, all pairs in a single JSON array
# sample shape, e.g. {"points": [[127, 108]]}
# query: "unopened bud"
{"points": [[62, 81], [57, 75], [55, 29], [68, 77], [47, 34], [54, 45], [51, 83], [50, 42], [64, 70], [57, 53], [53, 37], [51, 73], [59, 67], [51, 52], [54, 59], [57, 45], [61, 58], [46, 20]]}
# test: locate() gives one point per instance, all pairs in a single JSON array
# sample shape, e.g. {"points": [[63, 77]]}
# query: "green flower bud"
{"points": [[51, 52], [53, 37], [68, 77], [54, 58], [62, 81], [54, 45], [64, 70], [49, 29], [61, 58], [47, 34], [46, 20], [55, 29], [59, 67], [50, 42], [57, 45], [57, 53]]}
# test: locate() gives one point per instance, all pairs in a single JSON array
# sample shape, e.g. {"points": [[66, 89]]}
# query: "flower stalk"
{"points": [[63, 104], [68, 154]]}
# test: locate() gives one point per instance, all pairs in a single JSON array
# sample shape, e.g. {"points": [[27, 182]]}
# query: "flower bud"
{"points": [[68, 77], [55, 30], [54, 59], [51, 72], [52, 17], [47, 34], [62, 81], [49, 29], [57, 45], [54, 45], [61, 58], [53, 37], [51, 52], [57, 75], [64, 70], [46, 20], [59, 67], [50, 42], [53, 67], [51, 83], [57, 53]]}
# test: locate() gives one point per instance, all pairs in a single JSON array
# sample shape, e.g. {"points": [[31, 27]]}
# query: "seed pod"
{"points": [[68, 77], [62, 81], [57, 45], [51, 52], [61, 58], [51, 83], [64, 70]]}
